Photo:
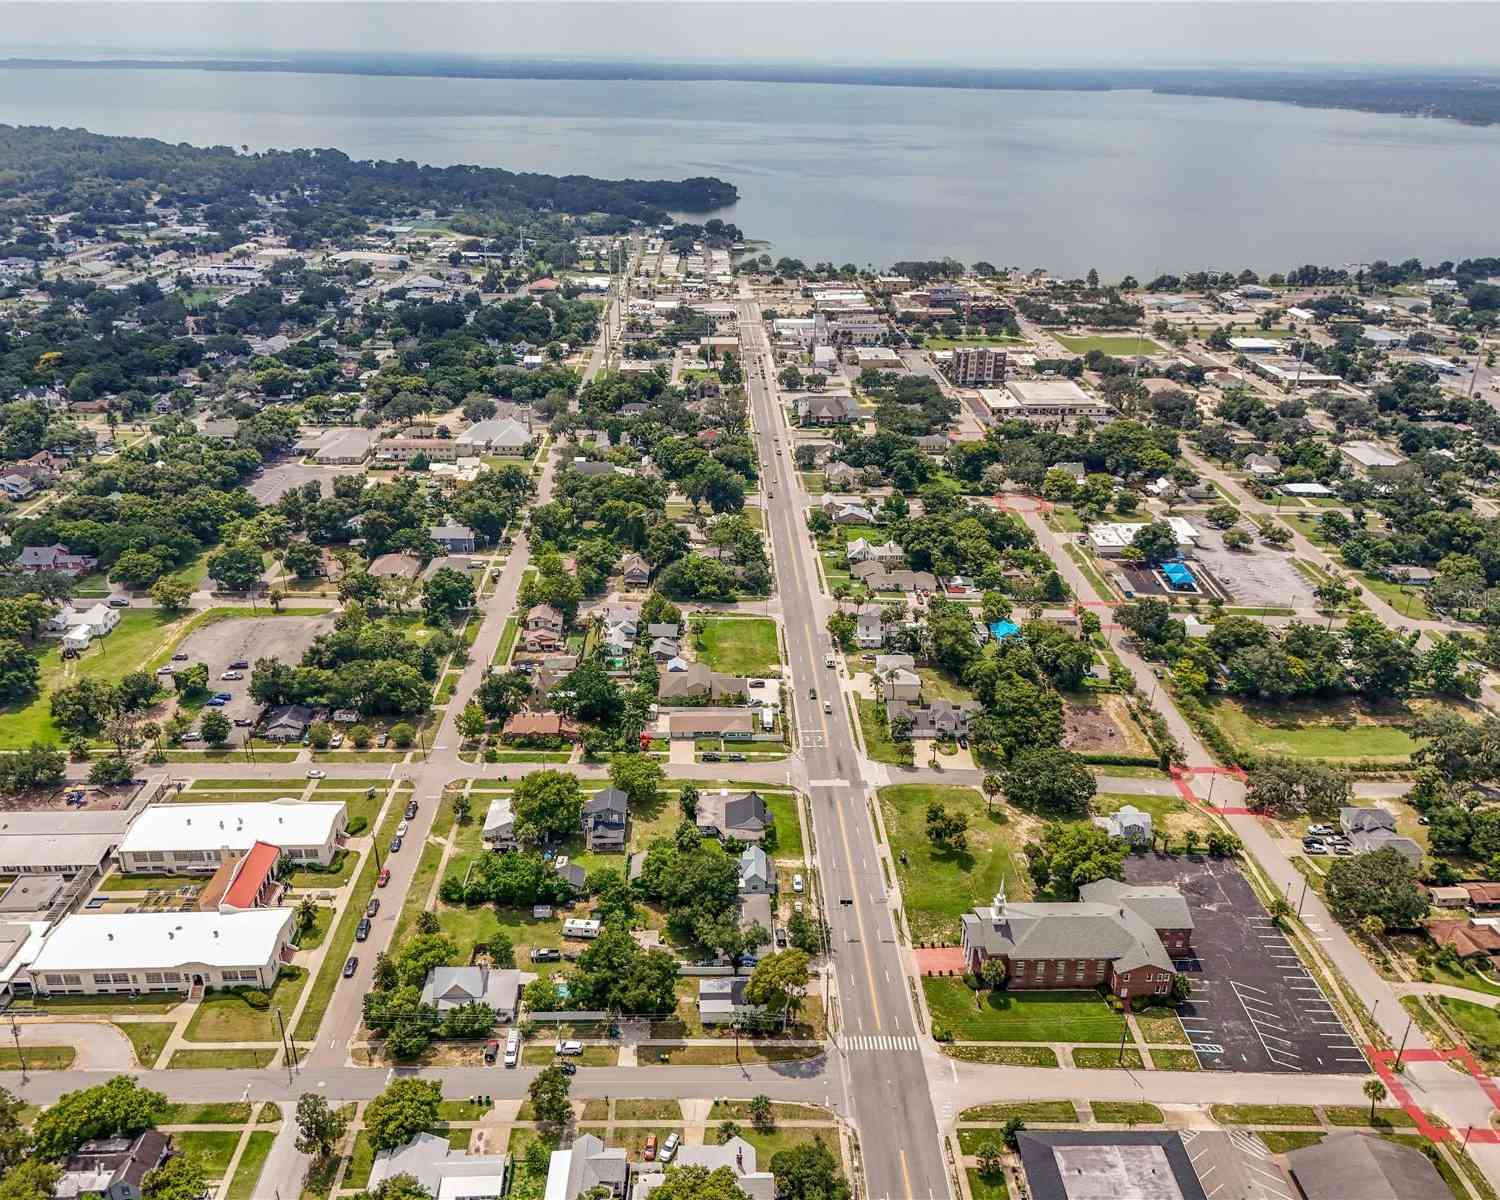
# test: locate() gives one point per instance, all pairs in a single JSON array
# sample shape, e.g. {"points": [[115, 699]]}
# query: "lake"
{"points": [[1121, 181]]}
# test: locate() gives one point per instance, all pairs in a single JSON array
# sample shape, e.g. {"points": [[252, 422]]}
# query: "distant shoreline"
{"points": [[1471, 99]]}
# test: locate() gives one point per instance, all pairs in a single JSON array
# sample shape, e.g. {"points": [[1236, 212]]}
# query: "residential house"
{"points": [[56, 557], [449, 562], [1370, 829], [286, 723], [548, 724], [454, 539], [501, 435], [869, 627], [743, 817], [827, 408], [698, 682], [664, 650], [500, 825], [879, 579], [721, 1000], [1345, 1165], [16, 487], [753, 909], [349, 447], [1115, 935], [898, 680], [544, 628], [847, 512], [695, 722], [862, 550], [1469, 939], [757, 874], [440, 1170], [737, 1156], [395, 566], [635, 571], [112, 1168], [1262, 464], [585, 1166], [940, 719], [840, 476], [1128, 823], [452, 987], [604, 820]]}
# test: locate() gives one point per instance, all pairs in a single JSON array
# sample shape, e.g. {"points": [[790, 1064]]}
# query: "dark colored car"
{"points": [[395, 845], [546, 955], [491, 1051], [567, 1068], [351, 964], [362, 930], [411, 810], [239, 664], [373, 907]]}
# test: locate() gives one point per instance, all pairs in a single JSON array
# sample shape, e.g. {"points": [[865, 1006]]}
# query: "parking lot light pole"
{"points": [[1404, 1036]]}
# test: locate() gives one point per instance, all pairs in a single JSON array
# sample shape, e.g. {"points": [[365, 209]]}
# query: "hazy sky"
{"points": [[1041, 33]]}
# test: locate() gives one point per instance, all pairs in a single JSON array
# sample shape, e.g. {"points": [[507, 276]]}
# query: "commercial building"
{"points": [[169, 838], [1111, 541], [1374, 460], [977, 366], [1089, 1165], [347, 448], [93, 953], [59, 843], [1115, 935], [1351, 1164], [1043, 400]]}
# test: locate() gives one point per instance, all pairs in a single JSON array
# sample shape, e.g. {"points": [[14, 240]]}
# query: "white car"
{"points": [[232, 675], [570, 1049], [797, 884], [336, 741], [316, 774], [401, 829]]}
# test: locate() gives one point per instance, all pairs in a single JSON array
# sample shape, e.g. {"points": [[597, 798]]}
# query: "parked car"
{"points": [[316, 774], [215, 703], [669, 1147], [351, 965], [384, 877], [780, 938], [395, 847], [1318, 830], [180, 656], [232, 675], [240, 664], [373, 907], [382, 739], [546, 954], [797, 883], [243, 722], [1315, 849], [567, 1068], [1309, 842], [571, 1049], [401, 829], [512, 1047], [166, 670], [648, 1151], [362, 930], [491, 1051], [192, 735], [411, 810], [710, 756], [118, 602]]}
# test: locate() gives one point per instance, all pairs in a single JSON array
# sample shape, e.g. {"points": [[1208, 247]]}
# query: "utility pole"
{"points": [[20, 1054], [1302, 897], [1404, 1036], [1474, 374]]}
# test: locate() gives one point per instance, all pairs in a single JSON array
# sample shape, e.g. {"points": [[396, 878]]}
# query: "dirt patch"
{"points": [[1101, 725]]}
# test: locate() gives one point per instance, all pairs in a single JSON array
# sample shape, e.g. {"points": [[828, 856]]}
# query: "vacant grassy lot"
{"points": [[1110, 345], [1020, 1016], [213, 1148], [938, 885], [38, 1058], [740, 646], [1123, 1112], [1059, 1112], [1336, 731], [1264, 1114], [878, 744], [221, 1059], [229, 1113], [1175, 1060], [785, 809], [1408, 601], [149, 1038], [1100, 1058], [1479, 1023]]}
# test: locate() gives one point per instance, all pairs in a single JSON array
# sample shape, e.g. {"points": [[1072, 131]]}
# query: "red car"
{"points": [[384, 877]]}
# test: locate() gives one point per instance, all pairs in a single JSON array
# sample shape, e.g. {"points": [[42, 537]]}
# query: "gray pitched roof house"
{"points": [[745, 817], [1345, 1165], [587, 1164], [453, 987], [604, 816]]}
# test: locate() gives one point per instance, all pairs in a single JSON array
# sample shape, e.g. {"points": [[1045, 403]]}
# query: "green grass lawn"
{"points": [[313, 938], [1055, 1112], [507, 640], [784, 809], [38, 1058], [740, 646], [1124, 1112], [1118, 344], [213, 1148], [1479, 1023], [226, 1059], [252, 1162], [1020, 1016], [470, 926], [149, 1039], [361, 1159], [939, 685], [1408, 601], [938, 886], [1098, 1058], [986, 1187], [878, 744], [226, 1017], [1334, 731], [229, 1113], [1264, 1114], [335, 875], [978, 339], [1175, 1060]]}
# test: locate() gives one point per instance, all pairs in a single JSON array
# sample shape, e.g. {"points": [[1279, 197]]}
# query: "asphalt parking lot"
{"points": [[248, 638], [1257, 578], [1254, 1007], [276, 481]]}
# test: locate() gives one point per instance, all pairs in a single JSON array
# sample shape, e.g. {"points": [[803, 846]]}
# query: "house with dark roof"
{"points": [[941, 719], [1370, 829], [447, 988], [744, 817], [698, 682], [286, 723], [1116, 935], [56, 557], [604, 819], [1346, 1165], [635, 571], [113, 1168], [454, 539]]}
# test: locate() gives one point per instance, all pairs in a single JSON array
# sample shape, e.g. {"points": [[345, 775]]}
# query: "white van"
{"points": [[570, 1049], [512, 1047], [828, 661]]}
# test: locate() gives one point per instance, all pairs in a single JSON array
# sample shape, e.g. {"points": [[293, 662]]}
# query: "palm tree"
{"points": [[1375, 1090], [307, 915], [992, 786]]}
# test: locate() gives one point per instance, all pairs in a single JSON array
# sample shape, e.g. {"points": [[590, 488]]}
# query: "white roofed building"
{"points": [[168, 838], [90, 953]]}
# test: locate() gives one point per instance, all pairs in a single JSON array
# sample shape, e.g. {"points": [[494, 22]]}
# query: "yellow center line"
{"points": [[905, 1176], [864, 945]]}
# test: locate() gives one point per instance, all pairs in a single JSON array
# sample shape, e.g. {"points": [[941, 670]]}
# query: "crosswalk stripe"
{"points": [[880, 1041]]}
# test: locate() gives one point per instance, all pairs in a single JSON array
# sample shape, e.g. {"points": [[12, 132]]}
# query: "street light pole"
{"points": [[20, 1054]]}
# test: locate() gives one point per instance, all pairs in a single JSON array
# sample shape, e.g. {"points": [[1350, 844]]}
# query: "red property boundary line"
{"points": [[1183, 776], [1383, 1062]]}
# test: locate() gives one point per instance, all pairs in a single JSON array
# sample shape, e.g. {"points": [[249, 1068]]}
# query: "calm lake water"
{"points": [[1121, 181]]}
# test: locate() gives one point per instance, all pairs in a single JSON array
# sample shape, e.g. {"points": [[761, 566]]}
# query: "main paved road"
{"points": [[888, 1099]]}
